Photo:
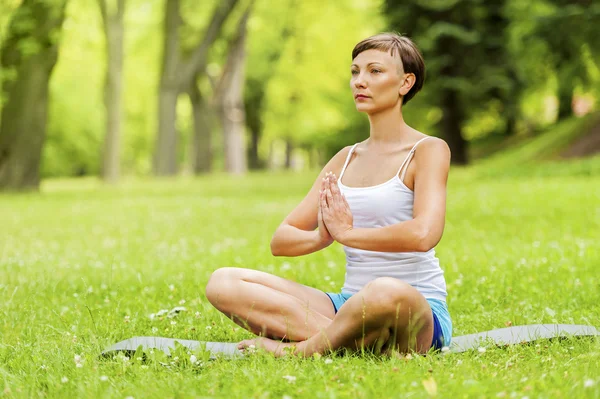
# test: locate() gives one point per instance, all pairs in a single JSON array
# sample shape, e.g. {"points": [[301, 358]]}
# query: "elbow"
{"points": [[424, 241], [274, 248], [276, 245]]}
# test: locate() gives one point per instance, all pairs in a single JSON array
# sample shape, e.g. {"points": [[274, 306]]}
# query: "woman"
{"points": [[384, 200]]}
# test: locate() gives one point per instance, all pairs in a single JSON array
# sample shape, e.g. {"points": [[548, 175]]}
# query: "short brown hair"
{"points": [[412, 60]]}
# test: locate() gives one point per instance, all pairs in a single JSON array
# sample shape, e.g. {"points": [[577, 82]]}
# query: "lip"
{"points": [[360, 96]]}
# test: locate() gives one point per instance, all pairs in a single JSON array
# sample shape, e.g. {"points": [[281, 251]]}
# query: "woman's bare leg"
{"points": [[268, 305], [387, 313]]}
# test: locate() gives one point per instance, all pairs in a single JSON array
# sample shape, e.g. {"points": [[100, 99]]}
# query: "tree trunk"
{"points": [[113, 29], [165, 154], [565, 97], [24, 114], [289, 150], [176, 77], [230, 100], [201, 143], [254, 161], [452, 127]]}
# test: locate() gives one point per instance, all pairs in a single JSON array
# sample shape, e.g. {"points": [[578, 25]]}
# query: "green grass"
{"points": [[539, 155], [82, 267]]}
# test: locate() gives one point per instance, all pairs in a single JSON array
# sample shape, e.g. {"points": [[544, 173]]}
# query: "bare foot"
{"points": [[277, 348]]}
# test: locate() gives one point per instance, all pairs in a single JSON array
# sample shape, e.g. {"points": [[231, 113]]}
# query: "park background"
{"points": [[145, 143]]}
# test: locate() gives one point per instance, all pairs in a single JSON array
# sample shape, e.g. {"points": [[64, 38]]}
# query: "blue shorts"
{"points": [[442, 324]]}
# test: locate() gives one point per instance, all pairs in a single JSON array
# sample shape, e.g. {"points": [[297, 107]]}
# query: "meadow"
{"points": [[83, 266]]}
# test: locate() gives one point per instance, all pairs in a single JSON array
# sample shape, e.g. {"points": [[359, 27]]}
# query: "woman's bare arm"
{"points": [[425, 230], [296, 235]]}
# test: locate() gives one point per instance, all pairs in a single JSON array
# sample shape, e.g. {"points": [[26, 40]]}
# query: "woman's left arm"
{"points": [[425, 230]]}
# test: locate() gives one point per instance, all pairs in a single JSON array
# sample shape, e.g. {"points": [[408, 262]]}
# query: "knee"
{"points": [[389, 295], [220, 283]]}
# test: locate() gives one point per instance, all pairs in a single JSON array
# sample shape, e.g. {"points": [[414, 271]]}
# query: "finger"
{"points": [[335, 190], [329, 196], [323, 201]]}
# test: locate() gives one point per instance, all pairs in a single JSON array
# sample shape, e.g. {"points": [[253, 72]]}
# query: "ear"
{"points": [[408, 82]]}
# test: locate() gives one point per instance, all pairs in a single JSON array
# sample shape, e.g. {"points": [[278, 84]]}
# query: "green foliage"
{"points": [[297, 71], [309, 100]]}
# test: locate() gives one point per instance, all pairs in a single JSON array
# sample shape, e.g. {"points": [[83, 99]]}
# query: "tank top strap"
{"points": [[408, 159], [347, 161]]}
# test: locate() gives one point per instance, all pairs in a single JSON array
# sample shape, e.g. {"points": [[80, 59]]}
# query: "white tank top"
{"points": [[382, 205]]}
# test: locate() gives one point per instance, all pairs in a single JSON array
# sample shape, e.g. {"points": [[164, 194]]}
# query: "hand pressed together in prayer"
{"points": [[334, 209]]}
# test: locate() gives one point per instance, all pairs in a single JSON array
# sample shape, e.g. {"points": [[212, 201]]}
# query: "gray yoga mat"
{"points": [[503, 336]]}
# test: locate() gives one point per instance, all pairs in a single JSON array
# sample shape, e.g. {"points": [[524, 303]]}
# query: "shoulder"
{"points": [[336, 163], [433, 148]]}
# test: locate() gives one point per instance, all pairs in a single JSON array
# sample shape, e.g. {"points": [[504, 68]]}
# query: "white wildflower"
{"points": [[171, 287], [481, 349], [208, 327], [328, 361], [182, 302], [197, 314], [103, 378], [193, 359], [290, 378], [286, 266], [64, 380], [589, 383], [173, 322], [79, 365]]}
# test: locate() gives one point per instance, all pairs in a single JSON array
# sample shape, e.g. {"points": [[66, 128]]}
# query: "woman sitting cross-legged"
{"points": [[384, 200]]}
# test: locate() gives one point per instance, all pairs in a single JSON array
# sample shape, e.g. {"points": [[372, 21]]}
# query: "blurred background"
{"points": [[120, 88]]}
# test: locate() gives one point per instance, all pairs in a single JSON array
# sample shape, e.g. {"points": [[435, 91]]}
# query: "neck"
{"points": [[388, 128]]}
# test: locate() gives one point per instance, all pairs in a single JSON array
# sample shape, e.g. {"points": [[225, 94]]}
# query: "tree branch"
{"points": [[197, 61]]}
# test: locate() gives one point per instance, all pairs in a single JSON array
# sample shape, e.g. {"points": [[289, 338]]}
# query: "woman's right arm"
{"points": [[296, 235]]}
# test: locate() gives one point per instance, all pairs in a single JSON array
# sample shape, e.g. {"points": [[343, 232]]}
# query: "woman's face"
{"points": [[378, 81]]}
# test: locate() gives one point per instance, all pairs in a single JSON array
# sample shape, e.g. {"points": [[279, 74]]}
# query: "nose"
{"points": [[359, 81]]}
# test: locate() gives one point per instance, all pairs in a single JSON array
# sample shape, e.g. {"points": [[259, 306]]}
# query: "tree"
{"points": [[230, 100], [569, 26], [263, 63], [29, 55], [466, 64], [200, 149], [177, 76], [113, 30]]}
